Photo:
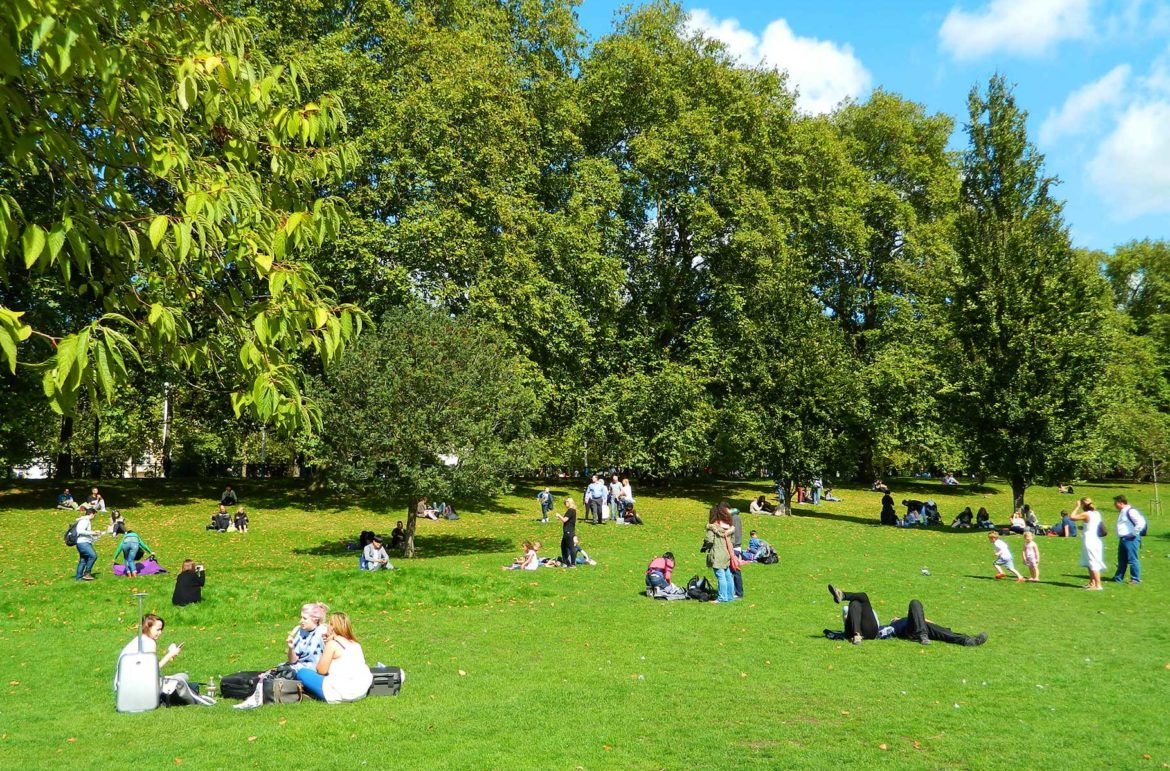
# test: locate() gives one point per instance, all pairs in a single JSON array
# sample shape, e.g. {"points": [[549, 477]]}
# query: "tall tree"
{"points": [[1028, 310], [429, 405], [158, 184]]}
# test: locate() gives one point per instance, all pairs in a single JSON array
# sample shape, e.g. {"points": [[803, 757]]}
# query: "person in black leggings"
{"points": [[568, 531], [861, 623]]}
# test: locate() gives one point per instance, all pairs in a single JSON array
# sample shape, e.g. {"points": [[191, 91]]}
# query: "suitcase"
{"points": [[282, 690], [137, 684], [387, 681]]}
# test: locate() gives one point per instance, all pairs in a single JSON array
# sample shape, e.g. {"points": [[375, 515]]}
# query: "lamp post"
{"points": [[586, 443]]}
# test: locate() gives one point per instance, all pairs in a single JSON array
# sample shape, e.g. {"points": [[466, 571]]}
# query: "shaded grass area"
{"points": [[568, 669]]}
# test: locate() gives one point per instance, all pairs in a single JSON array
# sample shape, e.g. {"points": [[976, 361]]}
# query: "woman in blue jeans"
{"points": [[717, 542], [85, 538]]}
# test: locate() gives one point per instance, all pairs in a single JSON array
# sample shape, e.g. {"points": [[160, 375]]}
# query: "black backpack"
{"points": [[700, 589], [71, 535], [241, 685]]}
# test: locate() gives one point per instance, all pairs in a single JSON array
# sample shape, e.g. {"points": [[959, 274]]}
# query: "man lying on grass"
{"points": [[861, 623]]}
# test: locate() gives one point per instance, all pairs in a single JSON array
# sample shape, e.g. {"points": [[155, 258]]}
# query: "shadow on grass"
{"points": [[426, 547]]}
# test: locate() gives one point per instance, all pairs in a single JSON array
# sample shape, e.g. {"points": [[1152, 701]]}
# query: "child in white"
{"points": [[1032, 556], [1003, 557]]}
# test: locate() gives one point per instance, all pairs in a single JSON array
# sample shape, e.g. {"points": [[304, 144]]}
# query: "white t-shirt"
{"points": [[530, 561], [349, 678], [1002, 550], [627, 492]]}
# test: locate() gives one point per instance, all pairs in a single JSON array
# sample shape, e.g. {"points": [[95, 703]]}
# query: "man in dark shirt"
{"points": [[568, 531]]}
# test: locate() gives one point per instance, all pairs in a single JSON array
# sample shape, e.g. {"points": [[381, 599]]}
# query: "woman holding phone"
{"points": [[151, 630], [341, 673]]}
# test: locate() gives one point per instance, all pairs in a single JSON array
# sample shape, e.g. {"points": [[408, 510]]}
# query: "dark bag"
{"points": [[387, 681], [71, 535], [1101, 531], [282, 690], [241, 685], [700, 589], [1145, 528]]}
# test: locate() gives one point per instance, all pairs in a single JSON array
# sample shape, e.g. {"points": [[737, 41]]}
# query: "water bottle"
{"points": [[210, 688]]}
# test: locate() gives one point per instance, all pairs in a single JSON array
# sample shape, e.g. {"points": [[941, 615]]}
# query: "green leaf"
{"points": [[158, 230], [33, 242]]}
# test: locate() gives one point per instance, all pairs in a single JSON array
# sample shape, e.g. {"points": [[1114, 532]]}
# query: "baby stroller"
{"points": [[930, 513]]}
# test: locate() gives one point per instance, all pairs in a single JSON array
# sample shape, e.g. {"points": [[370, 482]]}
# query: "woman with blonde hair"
{"points": [[1092, 548], [341, 673]]}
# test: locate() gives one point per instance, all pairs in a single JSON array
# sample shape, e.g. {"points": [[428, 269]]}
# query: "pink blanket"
{"points": [[147, 568]]}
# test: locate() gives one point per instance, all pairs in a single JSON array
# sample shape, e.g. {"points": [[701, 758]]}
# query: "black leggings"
{"points": [[567, 556], [861, 619]]}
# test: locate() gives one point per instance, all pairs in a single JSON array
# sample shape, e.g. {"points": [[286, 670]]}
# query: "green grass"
{"points": [[576, 669]]}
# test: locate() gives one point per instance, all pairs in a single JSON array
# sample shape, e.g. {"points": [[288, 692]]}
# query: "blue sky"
{"points": [[1094, 76]]}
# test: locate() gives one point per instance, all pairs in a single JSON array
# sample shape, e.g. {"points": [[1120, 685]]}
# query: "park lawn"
{"points": [[564, 669]]}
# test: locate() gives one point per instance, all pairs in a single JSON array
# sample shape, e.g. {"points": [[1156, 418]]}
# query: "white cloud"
{"points": [[823, 72], [1084, 108], [1021, 27], [1132, 165]]}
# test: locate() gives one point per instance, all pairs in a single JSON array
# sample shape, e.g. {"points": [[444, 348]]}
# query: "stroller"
{"points": [[930, 513]]}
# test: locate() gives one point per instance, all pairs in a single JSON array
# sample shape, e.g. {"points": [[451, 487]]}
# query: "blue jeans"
{"points": [[1127, 555], [726, 584], [129, 550], [655, 580], [816, 495], [313, 682], [87, 556]]}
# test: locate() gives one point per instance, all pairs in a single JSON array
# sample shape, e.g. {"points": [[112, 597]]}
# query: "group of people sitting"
{"points": [[531, 559], [1023, 520], [223, 522], [326, 658]]}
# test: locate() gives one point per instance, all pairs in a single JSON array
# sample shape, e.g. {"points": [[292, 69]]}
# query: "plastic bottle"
{"points": [[210, 688]]}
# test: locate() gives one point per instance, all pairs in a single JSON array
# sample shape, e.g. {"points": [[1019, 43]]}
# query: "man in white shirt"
{"points": [[1130, 525], [595, 495], [376, 556]]}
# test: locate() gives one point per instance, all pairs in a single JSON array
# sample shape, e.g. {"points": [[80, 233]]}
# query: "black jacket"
{"points": [[188, 588]]}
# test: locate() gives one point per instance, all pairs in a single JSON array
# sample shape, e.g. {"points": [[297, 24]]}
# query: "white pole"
{"points": [[1156, 508]]}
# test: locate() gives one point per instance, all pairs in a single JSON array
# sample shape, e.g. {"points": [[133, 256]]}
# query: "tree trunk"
{"points": [[1018, 487], [411, 520], [95, 467], [789, 485], [865, 467], [64, 458]]}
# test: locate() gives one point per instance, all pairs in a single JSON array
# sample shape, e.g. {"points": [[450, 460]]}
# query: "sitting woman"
{"points": [[1018, 523], [757, 506], [1032, 522], [307, 640], [241, 520], [964, 519], [398, 536], [527, 561], [341, 673], [1065, 528], [912, 519], [151, 629], [983, 519], [580, 556], [189, 584], [117, 523]]}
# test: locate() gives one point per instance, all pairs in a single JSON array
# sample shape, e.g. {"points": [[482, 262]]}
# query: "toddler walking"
{"points": [[1003, 557], [1032, 556]]}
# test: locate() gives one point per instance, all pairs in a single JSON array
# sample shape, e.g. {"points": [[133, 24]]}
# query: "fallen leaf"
{"points": [[462, 673], [251, 738], [14, 682], [844, 712], [883, 746], [71, 739], [178, 761], [917, 746], [743, 674], [606, 747], [282, 721]]}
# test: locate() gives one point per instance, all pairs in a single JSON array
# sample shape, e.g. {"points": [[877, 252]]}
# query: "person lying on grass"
{"points": [[861, 622], [528, 560], [341, 673]]}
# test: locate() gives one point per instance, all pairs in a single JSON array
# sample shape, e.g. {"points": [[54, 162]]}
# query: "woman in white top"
{"points": [[341, 673], [1092, 549], [86, 555]]}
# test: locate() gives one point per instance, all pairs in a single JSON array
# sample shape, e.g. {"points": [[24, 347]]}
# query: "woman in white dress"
{"points": [[341, 673], [1092, 549]]}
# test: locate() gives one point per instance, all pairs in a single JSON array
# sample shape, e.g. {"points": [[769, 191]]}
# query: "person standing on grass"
{"points": [[595, 495], [1092, 547], [737, 549], [1032, 556], [717, 543], [86, 535], [1130, 526], [341, 673], [545, 497], [616, 506], [568, 532], [1003, 557]]}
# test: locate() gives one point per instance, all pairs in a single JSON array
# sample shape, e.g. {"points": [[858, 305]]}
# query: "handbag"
{"points": [[1101, 531], [735, 561]]}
